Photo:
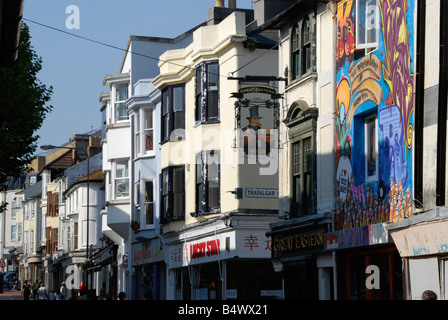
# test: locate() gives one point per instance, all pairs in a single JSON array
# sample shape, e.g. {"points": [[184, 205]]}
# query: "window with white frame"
{"points": [[148, 131], [121, 181], [13, 232], [138, 134], [371, 148], [19, 231], [121, 95], [144, 132], [32, 241], [367, 24], [149, 202]]}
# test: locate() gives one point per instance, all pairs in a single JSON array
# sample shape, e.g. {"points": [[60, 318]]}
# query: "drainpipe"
{"points": [[11, 11]]}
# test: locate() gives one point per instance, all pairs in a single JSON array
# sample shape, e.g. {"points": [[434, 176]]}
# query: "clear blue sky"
{"points": [[76, 67]]}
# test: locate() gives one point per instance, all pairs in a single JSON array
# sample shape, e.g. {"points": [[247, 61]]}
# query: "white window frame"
{"points": [[141, 130], [367, 121], [361, 21], [116, 101], [13, 232], [146, 129], [19, 232], [138, 134], [115, 178]]}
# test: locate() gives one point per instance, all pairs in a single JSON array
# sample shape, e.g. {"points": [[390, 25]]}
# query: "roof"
{"points": [[33, 191], [94, 176], [283, 17]]}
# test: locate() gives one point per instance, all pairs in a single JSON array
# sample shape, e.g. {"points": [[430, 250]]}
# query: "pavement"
{"points": [[12, 294]]}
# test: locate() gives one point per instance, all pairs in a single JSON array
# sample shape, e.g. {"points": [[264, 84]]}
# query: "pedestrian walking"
{"points": [[429, 295], [63, 291], [26, 291], [42, 293], [122, 296], [35, 288]]}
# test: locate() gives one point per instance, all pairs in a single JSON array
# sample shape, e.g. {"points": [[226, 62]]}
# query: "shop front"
{"points": [[422, 242], [233, 264], [368, 264], [298, 255], [149, 270]]}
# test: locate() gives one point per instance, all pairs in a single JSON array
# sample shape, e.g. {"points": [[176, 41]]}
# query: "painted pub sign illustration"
{"points": [[256, 116], [375, 108]]}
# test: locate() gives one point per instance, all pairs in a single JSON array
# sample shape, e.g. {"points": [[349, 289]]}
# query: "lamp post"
{"points": [[50, 147]]}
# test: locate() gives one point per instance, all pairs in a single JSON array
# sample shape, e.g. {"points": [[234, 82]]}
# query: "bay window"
{"points": [[121, 179], [121, 95], [144, 132], [149, 202], [207, 92], [207, 182], [173, 111], [172, 193]]}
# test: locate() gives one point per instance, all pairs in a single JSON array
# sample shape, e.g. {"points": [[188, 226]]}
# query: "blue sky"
{"points": [[76, 67]]}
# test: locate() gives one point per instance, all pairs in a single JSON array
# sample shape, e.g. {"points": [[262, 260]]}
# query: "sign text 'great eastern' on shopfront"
{"points": [[284, 245], [205, 248]]}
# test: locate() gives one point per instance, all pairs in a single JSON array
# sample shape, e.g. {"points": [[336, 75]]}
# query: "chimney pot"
{"points": [[232, 3], [219, 3]]}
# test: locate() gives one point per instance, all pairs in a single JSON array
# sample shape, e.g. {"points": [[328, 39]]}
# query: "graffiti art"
{"points": [[374, 83]]}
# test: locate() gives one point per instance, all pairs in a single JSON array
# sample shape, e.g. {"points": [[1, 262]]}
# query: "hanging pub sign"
{"points": [[256, 116]]}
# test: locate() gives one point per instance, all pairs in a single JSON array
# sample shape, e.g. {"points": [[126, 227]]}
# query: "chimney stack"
{"points": [[232, 3], [219, 3]]}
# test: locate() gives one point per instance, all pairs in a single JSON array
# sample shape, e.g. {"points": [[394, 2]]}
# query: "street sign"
{"points": [[2, 263]]}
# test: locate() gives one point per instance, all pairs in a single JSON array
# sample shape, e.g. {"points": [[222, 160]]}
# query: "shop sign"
{"points": [[356, 237], [241, 243], [287, 244], [261, 193], [205, 248], [146, 252], [422, 240]]}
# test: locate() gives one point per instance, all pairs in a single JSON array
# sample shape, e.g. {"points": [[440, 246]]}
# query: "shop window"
{"points": [[173, 193], [207, 92], [207, 182], [354, 275]]}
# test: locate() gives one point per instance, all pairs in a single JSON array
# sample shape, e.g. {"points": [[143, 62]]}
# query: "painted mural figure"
{"points": [[374, 82]]}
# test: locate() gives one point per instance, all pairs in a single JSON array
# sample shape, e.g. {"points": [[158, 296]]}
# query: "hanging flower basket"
{"points": [[135, 225]]}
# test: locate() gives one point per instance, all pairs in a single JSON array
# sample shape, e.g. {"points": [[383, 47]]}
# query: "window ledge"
{"points": [[118, 201], [120, 124], [302, 79]]}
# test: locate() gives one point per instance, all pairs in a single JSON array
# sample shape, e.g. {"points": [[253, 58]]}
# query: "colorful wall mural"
{"points": [[375, 82]]}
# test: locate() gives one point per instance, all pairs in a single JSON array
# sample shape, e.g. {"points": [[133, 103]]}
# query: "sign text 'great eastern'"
{"points": [[294, 243]]}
